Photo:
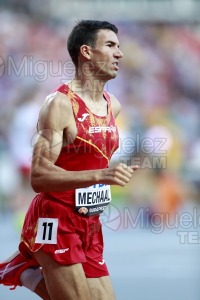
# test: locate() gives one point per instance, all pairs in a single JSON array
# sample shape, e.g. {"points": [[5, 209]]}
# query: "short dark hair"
{"points": [[85, 33]]}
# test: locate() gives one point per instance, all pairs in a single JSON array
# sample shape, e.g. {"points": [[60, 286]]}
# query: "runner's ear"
{"points": [[85, 51]]}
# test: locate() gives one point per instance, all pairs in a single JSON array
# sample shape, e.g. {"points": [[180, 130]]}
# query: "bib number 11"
{"points": [[47, 231]]}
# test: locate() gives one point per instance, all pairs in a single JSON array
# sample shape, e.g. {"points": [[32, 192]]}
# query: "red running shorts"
{"points": [[65, 235]]}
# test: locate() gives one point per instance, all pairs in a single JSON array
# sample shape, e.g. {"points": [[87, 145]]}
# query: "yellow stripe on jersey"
{"points": [[78, 137]]}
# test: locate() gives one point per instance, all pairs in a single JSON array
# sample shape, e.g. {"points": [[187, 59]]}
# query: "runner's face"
{"points": [[105, 55]]}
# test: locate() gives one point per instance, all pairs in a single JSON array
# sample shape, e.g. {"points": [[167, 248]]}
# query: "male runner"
{"points": [[77, 136]]}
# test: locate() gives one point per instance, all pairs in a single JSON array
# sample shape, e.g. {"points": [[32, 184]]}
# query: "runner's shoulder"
{"points": [[56, 111], [57, 101]]}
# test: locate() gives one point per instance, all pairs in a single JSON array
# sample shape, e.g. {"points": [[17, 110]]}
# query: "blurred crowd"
{"points": [[158, 86]]}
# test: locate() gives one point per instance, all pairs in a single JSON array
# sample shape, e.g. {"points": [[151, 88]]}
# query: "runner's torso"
{"points": [[96, 140]]}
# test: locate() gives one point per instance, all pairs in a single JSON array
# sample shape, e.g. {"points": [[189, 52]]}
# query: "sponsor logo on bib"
{"points": [[94, 198]]}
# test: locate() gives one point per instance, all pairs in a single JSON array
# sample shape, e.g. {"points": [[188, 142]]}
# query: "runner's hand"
{"points": [[118, 175]]}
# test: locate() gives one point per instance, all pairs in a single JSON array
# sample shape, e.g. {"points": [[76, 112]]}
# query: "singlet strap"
{"points": [[106, 95], [63, 89]]}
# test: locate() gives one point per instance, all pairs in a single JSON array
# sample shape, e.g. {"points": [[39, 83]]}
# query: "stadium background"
{"points": [[152, 227]]}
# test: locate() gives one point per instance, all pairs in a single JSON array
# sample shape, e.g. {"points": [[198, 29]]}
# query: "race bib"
{"points": [[93, 199], [47, 231]]}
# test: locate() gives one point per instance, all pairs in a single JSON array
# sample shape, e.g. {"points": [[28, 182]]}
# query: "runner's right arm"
{"points": [[56, 117]]}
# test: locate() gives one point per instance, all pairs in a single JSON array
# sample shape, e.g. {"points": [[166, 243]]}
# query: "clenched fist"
{"points": [[118, 175]]}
